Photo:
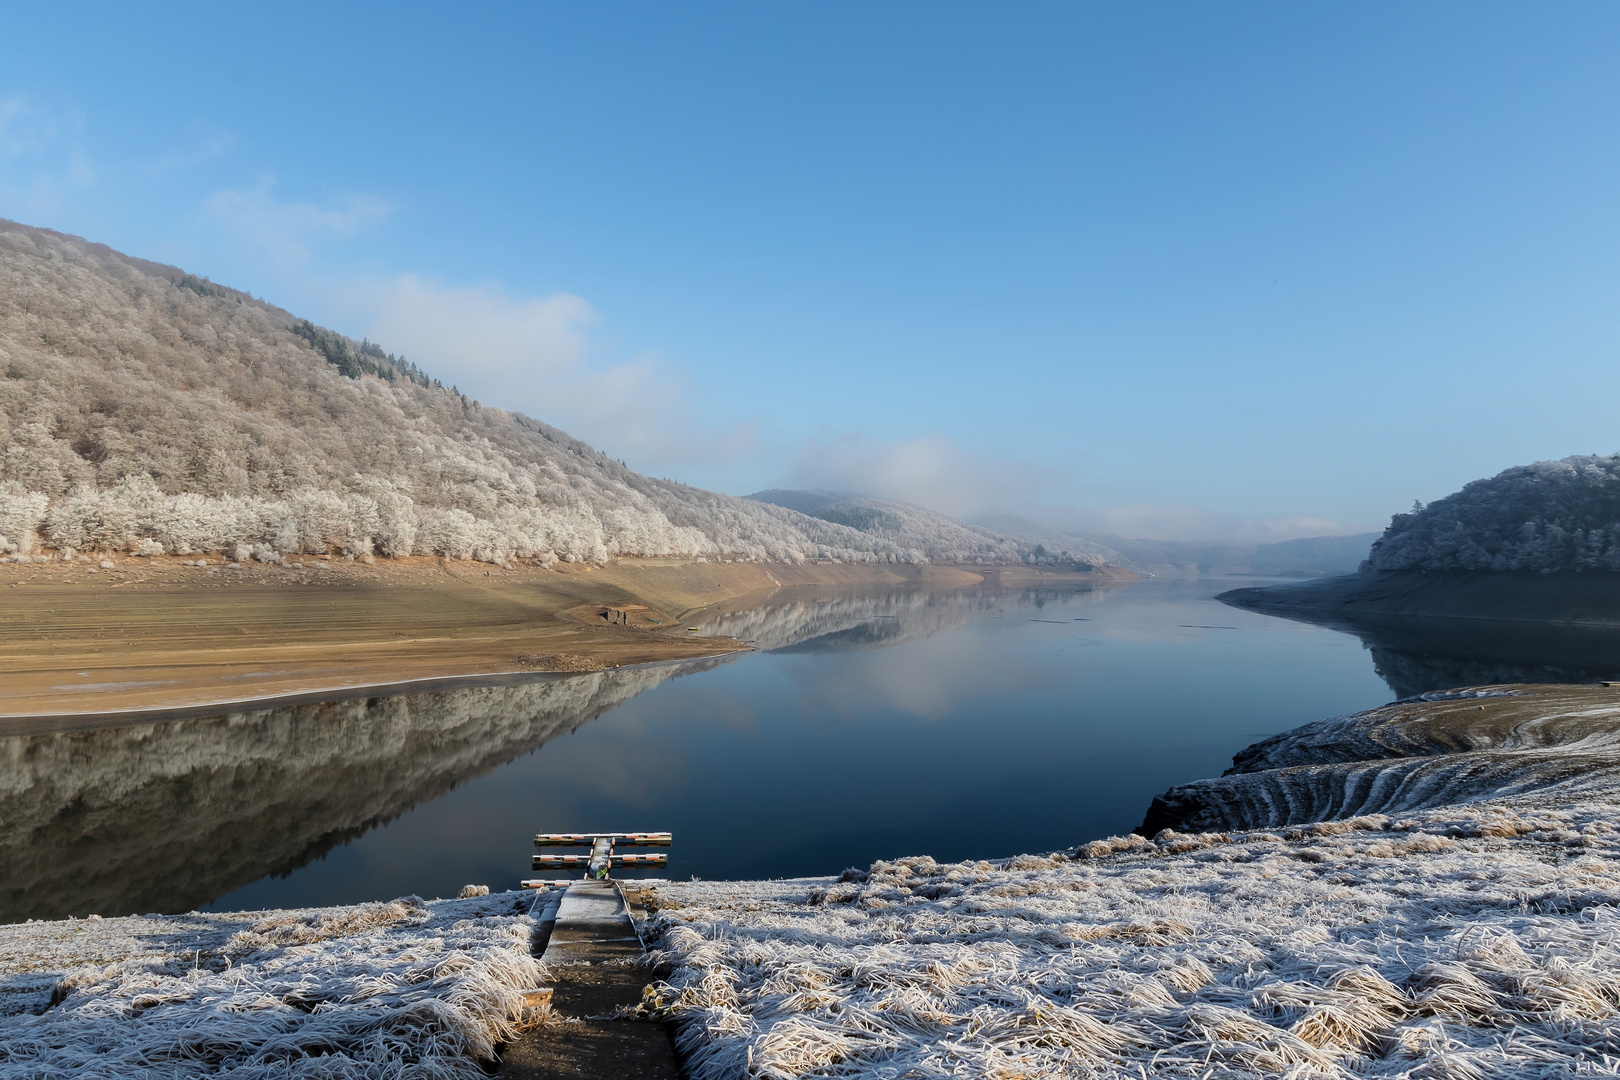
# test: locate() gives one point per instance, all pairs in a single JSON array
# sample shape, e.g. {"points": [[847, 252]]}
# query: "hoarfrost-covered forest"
{"points": [[1549, 516], [147, 410]]}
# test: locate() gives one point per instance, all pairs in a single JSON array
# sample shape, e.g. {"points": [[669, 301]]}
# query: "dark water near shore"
{"points": [[962, 724]]}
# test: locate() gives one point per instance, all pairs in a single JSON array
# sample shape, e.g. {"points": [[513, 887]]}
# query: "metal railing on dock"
{"points": [[601, 858]]}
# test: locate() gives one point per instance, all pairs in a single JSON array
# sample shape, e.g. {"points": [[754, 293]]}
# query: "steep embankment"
{"points": [[1442, 749], [336, 493]]}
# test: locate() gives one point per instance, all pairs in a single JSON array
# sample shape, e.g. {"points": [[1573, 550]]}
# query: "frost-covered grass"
{"points": [[400, 989], [1454, 943]]}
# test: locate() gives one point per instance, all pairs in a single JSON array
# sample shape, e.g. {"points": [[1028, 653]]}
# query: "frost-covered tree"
{"points": [[1549, 516], [21, 512]]}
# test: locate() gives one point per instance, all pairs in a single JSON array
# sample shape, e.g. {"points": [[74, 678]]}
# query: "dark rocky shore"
{"points": [[1585, 598]]}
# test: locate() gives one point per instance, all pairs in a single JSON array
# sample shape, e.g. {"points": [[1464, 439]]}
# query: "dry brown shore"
{"points": [[153, 633]]}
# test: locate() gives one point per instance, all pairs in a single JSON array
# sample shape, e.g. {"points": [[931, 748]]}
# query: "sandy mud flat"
{"points": [[1477, 935], [153, 634]]}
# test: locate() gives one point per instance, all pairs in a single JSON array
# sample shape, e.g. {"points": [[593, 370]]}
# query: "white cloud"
{"points": [[25, 129], [42, 162], [930, 471], [1160, 521], [534, 355], [205, 143], [935, 472], [286, 229], [482, 331]]}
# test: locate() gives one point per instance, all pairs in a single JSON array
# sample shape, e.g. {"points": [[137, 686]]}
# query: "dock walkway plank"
{"points": [[597, 966]]}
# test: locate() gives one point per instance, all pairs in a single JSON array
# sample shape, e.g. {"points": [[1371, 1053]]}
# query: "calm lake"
{"points": [[872, 724]]}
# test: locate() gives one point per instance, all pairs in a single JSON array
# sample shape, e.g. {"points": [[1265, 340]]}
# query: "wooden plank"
{"points": [[635, 839]]}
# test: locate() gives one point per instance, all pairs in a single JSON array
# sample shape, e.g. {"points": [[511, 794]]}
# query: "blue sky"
{"points": [[1182, 270]]}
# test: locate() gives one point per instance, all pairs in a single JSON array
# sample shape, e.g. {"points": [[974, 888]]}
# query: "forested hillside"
{"points": [[1548, 516], [145, 409]]}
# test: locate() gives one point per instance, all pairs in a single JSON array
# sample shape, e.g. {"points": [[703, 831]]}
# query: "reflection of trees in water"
{"points": [[167, 816], [1409, 675], [1418, 655], [828, 621], [172, 814]]}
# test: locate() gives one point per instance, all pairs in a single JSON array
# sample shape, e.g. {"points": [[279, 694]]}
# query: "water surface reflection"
{"points": [[962, 723], [1418, 655], [170, 815]]}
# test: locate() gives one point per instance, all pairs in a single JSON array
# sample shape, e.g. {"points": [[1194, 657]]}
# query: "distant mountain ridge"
{"points": [[145, 409]]}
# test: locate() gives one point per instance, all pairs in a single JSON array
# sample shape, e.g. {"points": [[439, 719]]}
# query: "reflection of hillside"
{"points": [[1416, 655], [1410, 674], [167, 816], [828, 622]]}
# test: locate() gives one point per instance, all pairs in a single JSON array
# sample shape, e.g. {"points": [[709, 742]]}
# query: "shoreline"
{"points": [[1473, 932], [65, 723], [1586, 600], [154, 636]]}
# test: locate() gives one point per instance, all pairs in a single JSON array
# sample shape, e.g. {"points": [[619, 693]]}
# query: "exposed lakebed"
{"points": [[963, 723]]}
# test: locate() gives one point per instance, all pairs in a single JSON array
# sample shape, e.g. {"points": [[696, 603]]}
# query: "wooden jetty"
{"points": [[595, 957], [601, 859]]}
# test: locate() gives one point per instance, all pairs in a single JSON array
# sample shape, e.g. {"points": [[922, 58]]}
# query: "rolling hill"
{"points": [[144, 409]]}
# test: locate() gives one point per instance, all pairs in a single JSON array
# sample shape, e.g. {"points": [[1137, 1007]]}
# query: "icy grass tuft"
{"points": [[399, 989], [1476, 941]]}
